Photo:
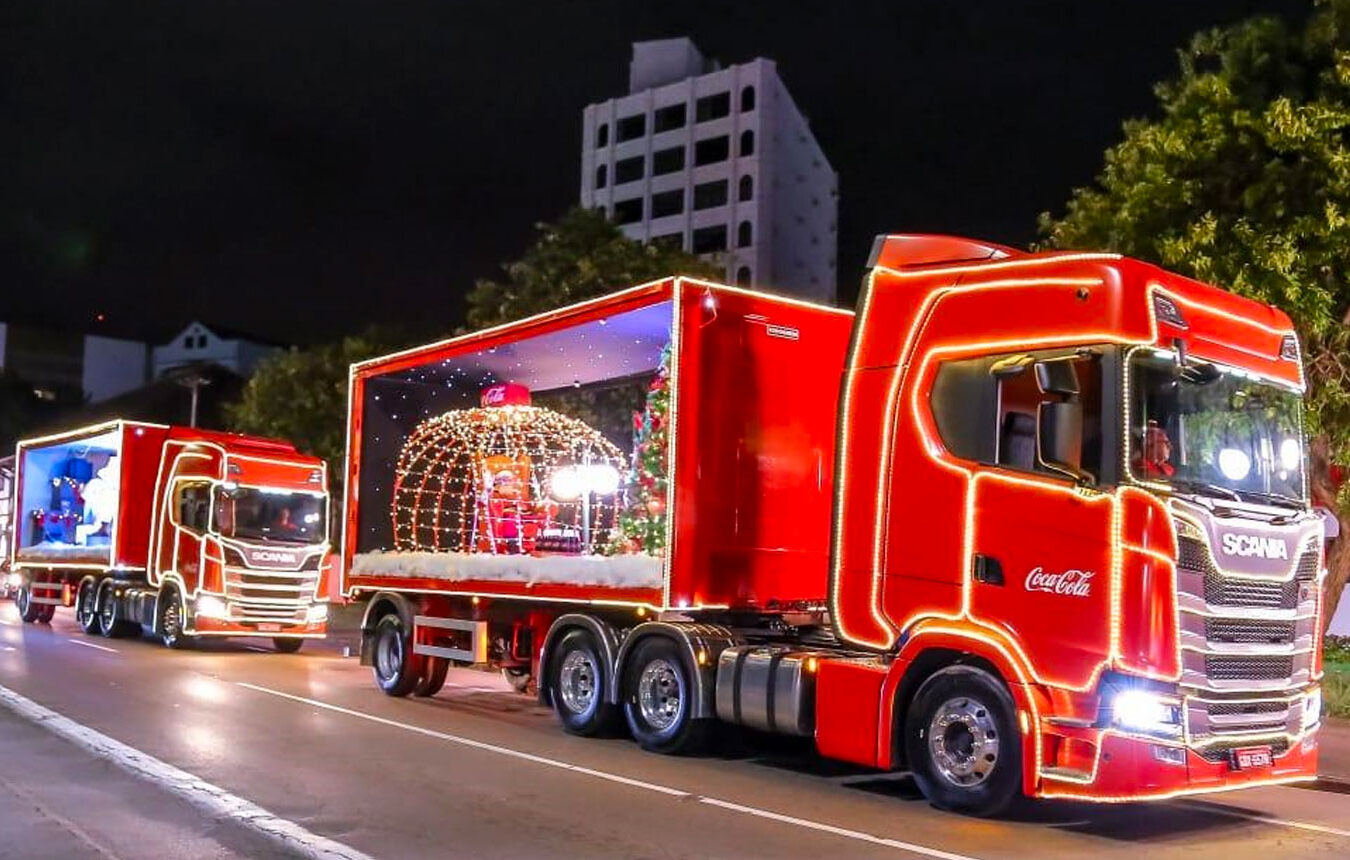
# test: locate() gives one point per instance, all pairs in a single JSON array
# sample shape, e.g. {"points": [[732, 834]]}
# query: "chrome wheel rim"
{"points": [[660, 694], [577, 681], [389, 655], [106, 608], [963, 741], [87, 613], [172, 623]]}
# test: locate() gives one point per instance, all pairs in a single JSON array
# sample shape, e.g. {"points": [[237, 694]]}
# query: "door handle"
{"points": [[988, 570]]}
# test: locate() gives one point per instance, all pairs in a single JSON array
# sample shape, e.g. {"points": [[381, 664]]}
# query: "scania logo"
{"points": [[1075, 583], [1246, 546], [272, 555]]}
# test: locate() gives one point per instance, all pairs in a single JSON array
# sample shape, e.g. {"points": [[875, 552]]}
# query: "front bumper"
{"points": [[270, 630], [1122, 767]]}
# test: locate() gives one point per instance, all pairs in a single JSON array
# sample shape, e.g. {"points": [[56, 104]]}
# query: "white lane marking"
{"points": [[1201, 806], [857, 835], [7, 622], [6, 647], [212, 800], [92, 645]]}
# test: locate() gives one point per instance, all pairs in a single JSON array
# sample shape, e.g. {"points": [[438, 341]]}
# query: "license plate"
{"points": [[1250, 757], [269, 628]]}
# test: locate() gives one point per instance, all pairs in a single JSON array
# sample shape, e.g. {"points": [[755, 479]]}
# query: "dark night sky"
{"points": [[299, 168]]}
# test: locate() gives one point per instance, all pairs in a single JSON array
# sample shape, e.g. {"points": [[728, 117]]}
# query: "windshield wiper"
{"points": [[1200, 486], [1275, 497]]}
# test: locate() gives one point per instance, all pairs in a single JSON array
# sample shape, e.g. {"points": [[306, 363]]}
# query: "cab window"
{"points": [[194, 501]]}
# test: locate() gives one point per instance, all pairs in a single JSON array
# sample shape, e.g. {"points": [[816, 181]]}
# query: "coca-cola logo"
{"points": [[1075, 583]]}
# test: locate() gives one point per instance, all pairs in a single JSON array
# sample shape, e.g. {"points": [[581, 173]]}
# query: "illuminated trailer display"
{"points": [[1027, 524], [178, 531]]}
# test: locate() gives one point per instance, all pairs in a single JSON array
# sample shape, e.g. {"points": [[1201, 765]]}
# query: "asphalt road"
{"points": [[482, 772]]}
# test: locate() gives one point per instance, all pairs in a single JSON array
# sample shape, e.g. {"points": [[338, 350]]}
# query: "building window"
{"points": [[745, 235], [669, 240], [627, 170], [628, 211], [747, 188], [668, 203], [630, 128], [602, 135], [747, 99], [710, 240], [668, 161], [747, 143], [710, 194], [201, 341], [669, 118], [188, 342], [601, 175], [712, 107], [712, 150], [743, 276]]}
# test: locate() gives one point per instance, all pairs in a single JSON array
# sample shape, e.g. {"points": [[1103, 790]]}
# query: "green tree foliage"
{"points": [[1244, 181], [579, 256], [301, 395]]}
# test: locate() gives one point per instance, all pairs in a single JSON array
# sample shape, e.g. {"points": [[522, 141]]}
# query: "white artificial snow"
{"points": [[614, 571], [51, 550]]}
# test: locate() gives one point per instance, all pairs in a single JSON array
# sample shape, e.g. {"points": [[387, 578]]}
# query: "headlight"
{"points": [[212, 607], [1146, 711], [1312, 708], [316, 613]]}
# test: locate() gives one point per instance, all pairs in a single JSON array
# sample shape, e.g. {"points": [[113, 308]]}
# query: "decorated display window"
{"points": [[539, 460], [71, 495]]}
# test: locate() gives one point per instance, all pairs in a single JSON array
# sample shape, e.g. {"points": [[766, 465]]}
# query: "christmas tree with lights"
{"points": [[642, 525]]}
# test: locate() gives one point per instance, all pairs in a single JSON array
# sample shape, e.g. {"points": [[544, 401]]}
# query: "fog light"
{"points": [[316, 613], [1146, 711], [1312, 708], [212, 607]]}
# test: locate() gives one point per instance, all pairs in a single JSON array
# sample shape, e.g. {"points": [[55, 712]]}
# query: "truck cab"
{"points": [[1084, 476], [240, 538]]}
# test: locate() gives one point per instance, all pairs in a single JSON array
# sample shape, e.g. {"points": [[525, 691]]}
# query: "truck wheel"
{"points": [[110, 621], [169, 606], [962, 742], [45, 613], [577, 687], [23, 601], [397, 668], [287, 645], [86, 606], [658, 689], [433, 676]]}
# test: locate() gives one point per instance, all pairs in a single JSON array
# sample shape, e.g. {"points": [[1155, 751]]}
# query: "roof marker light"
{"points": [[1167, 311]]}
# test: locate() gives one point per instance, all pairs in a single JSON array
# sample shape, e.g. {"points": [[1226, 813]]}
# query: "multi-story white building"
{"points": [[719, 162]]}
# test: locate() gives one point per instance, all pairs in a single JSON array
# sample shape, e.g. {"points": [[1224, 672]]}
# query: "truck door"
{"points": [[1041, 566], [186, 516]]}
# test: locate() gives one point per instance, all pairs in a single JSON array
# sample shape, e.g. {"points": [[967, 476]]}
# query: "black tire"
{"points": [[110, 621], [397, 669], [169, 620], [86, 606], [577, 687], [433, 676], [658, 685], [45, 613], [976, 768], [29, 611], [287, 644]]}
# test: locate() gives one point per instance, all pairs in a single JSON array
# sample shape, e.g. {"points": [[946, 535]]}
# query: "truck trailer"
{"points": [[176, 531], [1026, 524]]}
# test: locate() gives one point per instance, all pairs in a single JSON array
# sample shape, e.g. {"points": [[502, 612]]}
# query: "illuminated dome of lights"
{"points": [[505, 479]]}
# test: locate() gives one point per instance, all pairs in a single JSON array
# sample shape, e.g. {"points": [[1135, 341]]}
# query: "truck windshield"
{"points": [[1215, 432], [251, 513]]}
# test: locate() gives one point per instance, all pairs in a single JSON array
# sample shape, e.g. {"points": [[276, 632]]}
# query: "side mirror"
{"points": [[1057, 377], [1059, 439]]}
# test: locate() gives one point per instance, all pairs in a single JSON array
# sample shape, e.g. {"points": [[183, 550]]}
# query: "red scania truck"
{"points": [[177, 531], [1026, 524]]}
